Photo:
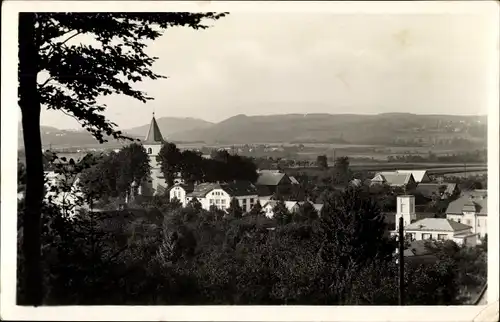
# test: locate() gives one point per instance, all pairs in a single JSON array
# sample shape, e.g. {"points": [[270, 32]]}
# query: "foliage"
{"points": [[322, 161], [235, 209], [167, 255], [114, 174], [62, 71]]}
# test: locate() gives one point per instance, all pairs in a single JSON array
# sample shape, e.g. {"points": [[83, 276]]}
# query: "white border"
{"points": [[231, 313]]}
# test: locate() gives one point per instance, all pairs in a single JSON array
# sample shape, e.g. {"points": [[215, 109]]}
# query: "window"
{"points": [[468, 221], [150, 151], [251, 200], [442, 236], [426, 236], [459, 220], [478, 223], [211, 201], [217, 201], [223, 201]]}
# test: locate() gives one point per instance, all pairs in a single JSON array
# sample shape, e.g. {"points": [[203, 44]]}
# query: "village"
{"points": [[464, 219]]}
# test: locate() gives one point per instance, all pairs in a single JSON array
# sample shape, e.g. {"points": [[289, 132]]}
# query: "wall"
{"points": [[249, 201]]}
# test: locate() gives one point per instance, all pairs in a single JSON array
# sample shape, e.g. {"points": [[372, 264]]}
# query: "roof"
{"points": [[428, 189], [418, 175], [318, 206], [154, 134], [475, 200], [293, 180], [290, 204], [271, 203], [437, 224], [234, 189], [270, 178], [239, 188], [393, 178], [187, 187]]}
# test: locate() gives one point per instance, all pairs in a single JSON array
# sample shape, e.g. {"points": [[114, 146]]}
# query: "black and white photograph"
{"points": [[224, 157]]}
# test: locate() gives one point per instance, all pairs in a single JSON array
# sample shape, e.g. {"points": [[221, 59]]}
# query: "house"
{"points": [[155, 183], [179, 192], [471, 208], [441, 229], [418, 175], [443, 190], [274, 181], [394, 179], [220, 195]]}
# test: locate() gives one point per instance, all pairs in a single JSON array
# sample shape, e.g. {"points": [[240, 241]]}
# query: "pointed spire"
{"points": [[154, 134]]}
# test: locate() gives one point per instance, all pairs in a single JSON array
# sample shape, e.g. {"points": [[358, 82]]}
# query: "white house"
{"points": [[471, 208], [179, 192], [220, 194], [441, 229]]}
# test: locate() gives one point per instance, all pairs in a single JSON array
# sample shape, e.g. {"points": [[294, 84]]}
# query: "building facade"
{"points": [[471, 208]]}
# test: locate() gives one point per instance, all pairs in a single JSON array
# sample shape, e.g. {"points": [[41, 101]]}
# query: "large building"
{"points": [[471, 208], [152, 143], [217, 194], [270, 182]]}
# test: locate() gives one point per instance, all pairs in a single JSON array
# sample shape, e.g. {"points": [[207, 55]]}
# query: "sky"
{"points": [[277, 63]]}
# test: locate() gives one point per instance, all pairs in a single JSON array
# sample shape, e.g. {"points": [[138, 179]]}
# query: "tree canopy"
{"points": [[67, 62]]}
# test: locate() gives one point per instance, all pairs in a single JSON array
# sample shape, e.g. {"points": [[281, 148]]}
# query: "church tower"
{"points": [[153, 143], [405, 209]]}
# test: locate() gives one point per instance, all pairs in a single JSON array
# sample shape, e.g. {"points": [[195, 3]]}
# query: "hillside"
{"points": [[393, 128], [80, 138], [171, 125]]}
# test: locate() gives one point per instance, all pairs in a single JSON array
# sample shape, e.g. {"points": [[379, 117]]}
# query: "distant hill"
{"points": [[393, 128], [171, 125], [383, 129], [81, 138]]}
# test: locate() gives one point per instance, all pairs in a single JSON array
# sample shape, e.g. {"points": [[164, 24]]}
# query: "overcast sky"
{"points": [[258, 63]]}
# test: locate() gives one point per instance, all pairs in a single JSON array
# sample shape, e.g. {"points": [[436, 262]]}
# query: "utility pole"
{"points": [[401, 261]]}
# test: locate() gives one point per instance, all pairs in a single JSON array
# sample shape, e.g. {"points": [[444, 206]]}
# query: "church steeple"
{"points": [[154, 134]]}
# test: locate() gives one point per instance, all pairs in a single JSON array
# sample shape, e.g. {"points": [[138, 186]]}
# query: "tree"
{"points": [[322, 162], [353, 235], [257, 209], [234, 209], [76, 75], [190, 166], [170, 159], [281, 213], [134, 166], [307, 212]]}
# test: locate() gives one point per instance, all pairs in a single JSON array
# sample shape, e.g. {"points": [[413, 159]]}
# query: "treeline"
{"points": [[119, 175], [470, 157], [194, 168], [166, 255]]}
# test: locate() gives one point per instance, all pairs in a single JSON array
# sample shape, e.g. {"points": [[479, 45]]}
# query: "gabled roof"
{"points": [[418, 175], [154, 134], [270, 178], [393, 178], [187, 187], [437, 224], [475, 200], [290, 204], [234, 189], [239, 188]]}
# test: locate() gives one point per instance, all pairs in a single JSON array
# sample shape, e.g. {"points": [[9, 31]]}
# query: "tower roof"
{"points": [[154, 134]]}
